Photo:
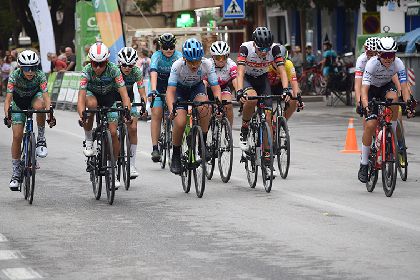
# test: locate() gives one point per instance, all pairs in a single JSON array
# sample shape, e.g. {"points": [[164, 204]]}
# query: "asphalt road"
{"points": [[319, 223]]}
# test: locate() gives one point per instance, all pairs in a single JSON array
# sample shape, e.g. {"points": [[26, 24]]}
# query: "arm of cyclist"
{"points": [[170, 99], [153, 84], [47, 104], [240, 83], [81, 103], [7, 102], [357, 93]]}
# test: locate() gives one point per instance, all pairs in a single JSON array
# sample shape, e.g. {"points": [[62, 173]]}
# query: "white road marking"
{"points": [[21, 273], [345, 208], [2, 238], [10, 254]]}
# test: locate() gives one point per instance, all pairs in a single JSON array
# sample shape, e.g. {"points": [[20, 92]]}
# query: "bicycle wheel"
{"points": [[125, 154], [211, 144], [198, 160], [31, 168], [319, 84], [266, 165], [402, 152], [108, 166], [372, 171], [282, 146], [95, 177], [250, 158], [162, 144], [225, 150], [168, 140], [186, 172], [389, 161], [24, 186]]}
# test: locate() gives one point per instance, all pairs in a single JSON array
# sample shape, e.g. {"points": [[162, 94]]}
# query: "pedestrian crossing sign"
{"points": [[233, 9]]}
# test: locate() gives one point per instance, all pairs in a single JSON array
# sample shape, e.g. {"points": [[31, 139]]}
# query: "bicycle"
{"points": [[220, 143], [259, 141], [28, 151], [193, 149], [281, 136], [402, 152], [165, 137], [101, 166], [383, 151], [312, 80]]}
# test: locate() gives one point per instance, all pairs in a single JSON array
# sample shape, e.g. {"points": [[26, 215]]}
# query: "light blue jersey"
{"points": [[182, 76]]}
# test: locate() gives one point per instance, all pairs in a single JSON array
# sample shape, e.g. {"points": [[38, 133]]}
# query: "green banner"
{"points": [[86, 30]]}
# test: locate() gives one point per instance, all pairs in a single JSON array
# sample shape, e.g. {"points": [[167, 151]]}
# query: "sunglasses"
{"points": [[29, 68], [98, 64], [263, 49], [194, 63], [127, 65], [165, 48], [387, 55], [219, 57]]}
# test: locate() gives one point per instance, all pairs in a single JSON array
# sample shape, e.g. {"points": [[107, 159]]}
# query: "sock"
{"points": [[176, 150], [41, 133], [394, 126], [155, 147], [365, 154], [133, 149], [15, 164], [88, 135]]}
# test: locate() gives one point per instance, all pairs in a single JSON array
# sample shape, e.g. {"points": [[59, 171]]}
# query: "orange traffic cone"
{"points": [[351, 141]]}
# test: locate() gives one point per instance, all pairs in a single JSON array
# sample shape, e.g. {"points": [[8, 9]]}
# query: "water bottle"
{"points": [[378, 146]]}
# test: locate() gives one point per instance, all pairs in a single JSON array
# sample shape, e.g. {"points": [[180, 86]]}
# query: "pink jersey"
{"points": [[226, 73]]}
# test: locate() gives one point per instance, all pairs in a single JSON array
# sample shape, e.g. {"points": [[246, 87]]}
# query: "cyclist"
{"points": [[328, 64], [100, 79], [275, 82], [127, 58], [160, 69], [377, 82], [226, 71], [186, 83], [253, 61], [26, 88]]}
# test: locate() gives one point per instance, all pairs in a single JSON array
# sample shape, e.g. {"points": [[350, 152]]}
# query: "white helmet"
{"points": [[371, 44], [28, 58], [128, 56], [219, 48], [387, 44], [98, 52]]}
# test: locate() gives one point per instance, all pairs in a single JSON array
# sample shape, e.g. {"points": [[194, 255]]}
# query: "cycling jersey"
{"points": [[227, 73], [275, 78], [256, 66], [360, 65], [378, 75], [103, 87], [135, 76], [162, 65], [24, 90], [182, 76]]}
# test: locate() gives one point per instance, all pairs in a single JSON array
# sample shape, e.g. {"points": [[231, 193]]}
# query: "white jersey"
{"points": [[227, 73], [376, 74], [360, 66], [256, 66], [181, 74]]}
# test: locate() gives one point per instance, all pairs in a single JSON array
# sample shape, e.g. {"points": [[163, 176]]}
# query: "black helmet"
{"points": [[262, 37], [167, 39]]}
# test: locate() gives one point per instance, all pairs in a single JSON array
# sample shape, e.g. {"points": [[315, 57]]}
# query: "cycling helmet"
{"points": [[371, 44], [192, 50], [262, 37], [219, 48], [387, 44], [98, 52], [28, 58], [167, 39], [127, 55]]}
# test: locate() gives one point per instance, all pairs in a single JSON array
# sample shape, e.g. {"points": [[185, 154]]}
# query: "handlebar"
{"points": [[161, 95], [29, 112]]}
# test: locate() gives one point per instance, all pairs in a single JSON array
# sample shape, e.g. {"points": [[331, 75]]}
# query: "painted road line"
{"points": [[2, 238], [10, 254], [21, 273]]}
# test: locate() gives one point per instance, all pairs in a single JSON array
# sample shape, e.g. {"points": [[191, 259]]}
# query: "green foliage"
{"points": [[7, 23]]}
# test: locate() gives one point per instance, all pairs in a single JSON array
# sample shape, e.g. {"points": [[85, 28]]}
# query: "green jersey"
{"points": [[21, 87]]}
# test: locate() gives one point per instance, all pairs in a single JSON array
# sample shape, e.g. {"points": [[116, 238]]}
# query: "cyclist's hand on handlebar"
{"points": [[241, 96], [411, 108], [7, 122], [151, 95], [286, 94], [52, 121]]}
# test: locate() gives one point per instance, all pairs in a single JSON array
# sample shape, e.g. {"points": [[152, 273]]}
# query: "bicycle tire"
{"points": [[267, 180], [372, 171], [108, 162], [168, 140], [225, 148], [282, 146], [389, 161], [249, 157], [31, 167], [162, 145], [211, 143], [319, 84], [185, 172], [197, 160], [24, 186], [125, 154], [95, 177], [402, 162]]}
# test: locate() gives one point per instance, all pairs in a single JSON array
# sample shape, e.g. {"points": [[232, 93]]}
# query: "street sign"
{"points": [[233, 9]]}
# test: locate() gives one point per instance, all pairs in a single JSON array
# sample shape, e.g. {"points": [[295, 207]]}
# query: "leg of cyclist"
{"points": [[247, 111], [113, 127], [205, 115], [17, 128], [177, 131], [227, 95], [91, 103], [132, 132], [157, 112], [41, 143]]}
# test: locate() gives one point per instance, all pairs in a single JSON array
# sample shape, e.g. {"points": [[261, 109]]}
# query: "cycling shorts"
{"points": [[112, 116], [379, 93], [189, 93], [261, 85], [224, 91], [20, 118]]}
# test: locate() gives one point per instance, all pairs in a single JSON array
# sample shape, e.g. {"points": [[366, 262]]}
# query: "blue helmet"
{"points": [[192, 50]]}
